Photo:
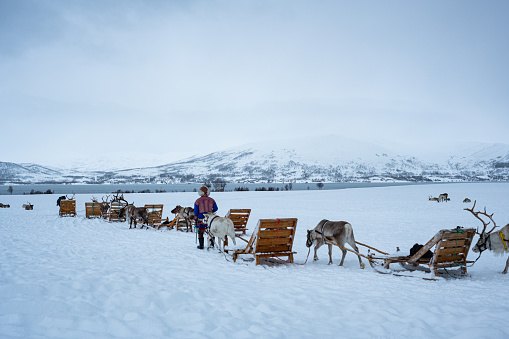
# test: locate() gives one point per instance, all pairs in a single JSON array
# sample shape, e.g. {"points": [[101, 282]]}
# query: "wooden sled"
{"points": [[114, 212], [67, 208], [155, 215], [271, 238], [92, 210], [450, 251]]}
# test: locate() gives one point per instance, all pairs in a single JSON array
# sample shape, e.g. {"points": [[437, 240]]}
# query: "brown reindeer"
{"points": [[339, 232], [496, 242], [443, 197], [134, 214], [104, 206], [4, 206], [28, 206], [186, 213]]}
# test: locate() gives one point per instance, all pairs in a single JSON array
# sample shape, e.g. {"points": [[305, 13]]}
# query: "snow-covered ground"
{"points": [[79, 278]]}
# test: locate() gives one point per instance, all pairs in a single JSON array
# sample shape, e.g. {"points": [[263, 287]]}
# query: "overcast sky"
{"points": [[178, 78]]}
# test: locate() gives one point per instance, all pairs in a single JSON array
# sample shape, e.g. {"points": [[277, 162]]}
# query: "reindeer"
{"points": [[340, 232], [4, 206], [134, 214], [443, 197], [104, 206], [430, 198], [28, 206], [466, 200], [186, 213], [496, 242]]}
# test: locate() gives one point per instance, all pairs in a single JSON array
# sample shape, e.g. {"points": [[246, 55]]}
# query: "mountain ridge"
{"points": [[329, 158]]}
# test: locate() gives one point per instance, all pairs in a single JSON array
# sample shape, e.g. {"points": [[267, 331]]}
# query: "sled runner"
{"points": [[450, 251], [67, 208], [271, 238]]}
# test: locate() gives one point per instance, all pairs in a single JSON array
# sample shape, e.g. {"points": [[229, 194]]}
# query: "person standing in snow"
{"points": [[204, 204]]}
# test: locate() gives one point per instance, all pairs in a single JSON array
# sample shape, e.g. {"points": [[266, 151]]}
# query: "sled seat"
{"points": [[114, 212], [271, 238], [92, 210], [451, 250], [239, 218], [67, 208], [155, 214]]}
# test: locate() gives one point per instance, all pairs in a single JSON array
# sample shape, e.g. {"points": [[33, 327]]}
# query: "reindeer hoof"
{"points": [[363, 266]]}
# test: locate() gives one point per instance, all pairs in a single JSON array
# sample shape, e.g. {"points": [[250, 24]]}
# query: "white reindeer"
{"points": [[496, 242], [219, 227]]}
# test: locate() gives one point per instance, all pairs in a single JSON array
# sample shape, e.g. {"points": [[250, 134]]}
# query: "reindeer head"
{"points": [[176, 209], [311, 237], [208, 217], [481, 244], [105, 205]]}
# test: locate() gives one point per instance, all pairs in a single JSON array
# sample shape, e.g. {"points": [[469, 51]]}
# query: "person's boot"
{"points": [[212, 242], [200, 246]]}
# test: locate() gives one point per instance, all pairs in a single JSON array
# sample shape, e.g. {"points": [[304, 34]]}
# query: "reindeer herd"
{"points": [[28, 206]]}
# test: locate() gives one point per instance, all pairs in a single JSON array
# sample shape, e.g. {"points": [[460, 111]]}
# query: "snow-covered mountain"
{"points": [[324, 159]]}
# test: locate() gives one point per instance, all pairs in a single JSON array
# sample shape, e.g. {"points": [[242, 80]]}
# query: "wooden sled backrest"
{"points": [[115, 207], [240, 218], [67, 207], [274, 235], [92, 209], [154, 211], [453, 246]]}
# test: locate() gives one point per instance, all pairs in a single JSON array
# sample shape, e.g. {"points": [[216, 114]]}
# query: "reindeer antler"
{"points": [[476, 214]]}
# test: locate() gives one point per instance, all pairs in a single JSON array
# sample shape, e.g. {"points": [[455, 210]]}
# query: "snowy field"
{"points": [[79, 278]]}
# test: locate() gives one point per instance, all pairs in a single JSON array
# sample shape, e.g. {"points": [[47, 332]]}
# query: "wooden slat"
{"points": [[272, 241], [273, 249], [450, 243], [276, 233], [451, 251]]}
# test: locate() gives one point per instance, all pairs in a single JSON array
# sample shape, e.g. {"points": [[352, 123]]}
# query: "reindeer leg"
{"points": [[318, 244], [316, 256], [343, 257], [330, 255], [506, 266]]}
